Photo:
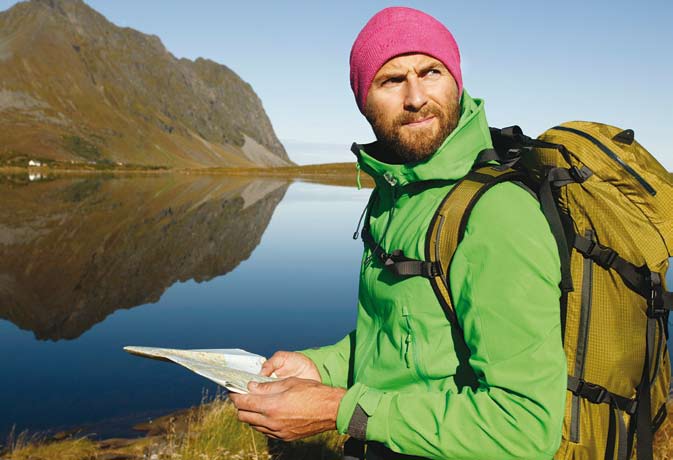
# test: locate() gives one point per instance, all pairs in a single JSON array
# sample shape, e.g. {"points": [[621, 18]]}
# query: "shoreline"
{"points": [[320, 168], [343, 174]]}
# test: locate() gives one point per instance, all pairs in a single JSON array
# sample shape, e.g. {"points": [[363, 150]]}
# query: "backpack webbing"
{"points": [[447, 227]]}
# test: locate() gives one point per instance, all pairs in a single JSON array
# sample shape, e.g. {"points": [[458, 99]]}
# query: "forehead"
{"points": [[409, 61]]}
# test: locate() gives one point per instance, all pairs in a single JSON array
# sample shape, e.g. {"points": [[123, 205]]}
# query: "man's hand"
{"points": [[289, 409], [290, 364]]}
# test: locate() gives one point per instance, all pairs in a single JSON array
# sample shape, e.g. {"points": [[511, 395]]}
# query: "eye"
{"points": [[432, 72], [392, 81]]}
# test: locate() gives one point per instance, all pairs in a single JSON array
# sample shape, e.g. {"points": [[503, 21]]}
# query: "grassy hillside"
{"points": [[77, 89]]}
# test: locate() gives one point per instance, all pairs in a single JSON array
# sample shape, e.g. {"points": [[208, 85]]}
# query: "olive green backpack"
{"points": [[609, 204]]}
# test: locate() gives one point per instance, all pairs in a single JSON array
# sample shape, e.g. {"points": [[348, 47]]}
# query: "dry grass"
{"points": [[70, 449], [212, 432], [663, 440]]}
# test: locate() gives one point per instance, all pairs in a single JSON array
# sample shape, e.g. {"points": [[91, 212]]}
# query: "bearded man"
{"points": [[408, 382]]}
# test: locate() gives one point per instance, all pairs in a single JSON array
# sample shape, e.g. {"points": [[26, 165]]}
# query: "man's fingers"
{"points": [[274, 363], [249, 402], [275, 434], [266, 432], [254, 418], [261, 423], [270, 366], [259, 388], [267, 369]]}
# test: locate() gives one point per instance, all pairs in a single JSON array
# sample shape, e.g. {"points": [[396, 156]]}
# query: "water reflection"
{"points": [[75, 250], [108, 262]]}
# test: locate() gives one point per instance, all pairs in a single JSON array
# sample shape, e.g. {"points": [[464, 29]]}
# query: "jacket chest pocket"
{"points": [[411, 345]]}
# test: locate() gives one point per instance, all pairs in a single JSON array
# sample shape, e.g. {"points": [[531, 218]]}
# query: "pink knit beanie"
{"points": [[394, 31]]}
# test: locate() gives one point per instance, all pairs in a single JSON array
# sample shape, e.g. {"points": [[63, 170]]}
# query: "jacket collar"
{"points": [[452, 160]]}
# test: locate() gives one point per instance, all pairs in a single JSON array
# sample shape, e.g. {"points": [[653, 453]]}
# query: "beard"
{"points": [[400, 144]]}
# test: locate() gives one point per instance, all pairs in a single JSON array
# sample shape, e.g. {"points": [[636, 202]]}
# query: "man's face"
{"points": [[412, 106]]}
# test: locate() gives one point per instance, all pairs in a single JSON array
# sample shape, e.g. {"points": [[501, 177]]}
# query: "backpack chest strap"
{"points": [[399, 264]]}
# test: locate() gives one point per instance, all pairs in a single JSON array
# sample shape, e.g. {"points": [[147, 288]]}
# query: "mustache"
{"points": [[411, 117]]}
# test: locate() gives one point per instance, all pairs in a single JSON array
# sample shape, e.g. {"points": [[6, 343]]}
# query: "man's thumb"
{"points": [[268, 368]]}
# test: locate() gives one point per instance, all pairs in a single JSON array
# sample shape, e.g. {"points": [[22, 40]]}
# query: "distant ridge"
{"points": [[76, 88]]}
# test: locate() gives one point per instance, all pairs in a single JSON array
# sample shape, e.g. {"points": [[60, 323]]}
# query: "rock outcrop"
{"points": [[76, 88]]}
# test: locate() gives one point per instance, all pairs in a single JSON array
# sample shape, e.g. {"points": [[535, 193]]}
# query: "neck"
{"points": [[386, 154]]}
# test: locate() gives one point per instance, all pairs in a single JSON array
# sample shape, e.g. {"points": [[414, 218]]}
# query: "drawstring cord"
{"points": [[357, 179], [356, 235]]}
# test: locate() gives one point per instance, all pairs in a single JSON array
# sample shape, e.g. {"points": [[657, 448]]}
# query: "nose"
{"points": [[416, 96]]}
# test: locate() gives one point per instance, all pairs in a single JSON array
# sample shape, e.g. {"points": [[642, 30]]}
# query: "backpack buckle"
{"points": [[657, 307], [631, 407], [432, 269], [580, 174], [592, 392], [602, 255], [607, 257]]}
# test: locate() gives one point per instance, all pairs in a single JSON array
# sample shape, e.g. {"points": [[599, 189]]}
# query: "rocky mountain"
{"points": [[74, 250], [76, 88]]}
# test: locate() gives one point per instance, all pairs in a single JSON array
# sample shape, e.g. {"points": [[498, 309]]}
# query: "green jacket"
{"points": [[425, 394]]}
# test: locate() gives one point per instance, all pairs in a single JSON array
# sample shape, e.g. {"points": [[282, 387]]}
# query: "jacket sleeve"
{"points": [[504, 281], [333, 361]]}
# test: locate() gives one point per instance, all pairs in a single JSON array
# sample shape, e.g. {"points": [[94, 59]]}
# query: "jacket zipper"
{"points": [[408, 339], [582, 339], [411, 353], [407, 357], [391, 212], [612, 155]]}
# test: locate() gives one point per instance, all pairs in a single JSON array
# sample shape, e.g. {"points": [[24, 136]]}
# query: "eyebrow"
{"points": [[431, 65], [400, 73], [390, 74]]}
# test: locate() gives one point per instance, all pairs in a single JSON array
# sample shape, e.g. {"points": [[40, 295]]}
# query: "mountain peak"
{"points": [[74, 11], [60, 3], [62, 6]]}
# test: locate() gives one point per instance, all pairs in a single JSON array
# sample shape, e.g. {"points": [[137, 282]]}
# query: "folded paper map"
{"points": [[232, 368]]}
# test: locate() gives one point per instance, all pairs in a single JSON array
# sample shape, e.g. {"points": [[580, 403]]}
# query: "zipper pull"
{"points": [[393, 191], [390, 179]]}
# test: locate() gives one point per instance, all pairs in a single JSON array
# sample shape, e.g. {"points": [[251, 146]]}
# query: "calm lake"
{"points": [[89, 265]]}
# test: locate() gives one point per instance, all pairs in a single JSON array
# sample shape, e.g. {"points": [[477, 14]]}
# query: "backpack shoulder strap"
{"points": [[447, 226]]}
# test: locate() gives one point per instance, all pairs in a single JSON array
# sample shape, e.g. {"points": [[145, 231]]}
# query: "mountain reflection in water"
{"points": [[90, 264], [74, 251]]}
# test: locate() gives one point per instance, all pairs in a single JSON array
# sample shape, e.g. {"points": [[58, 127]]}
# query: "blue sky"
{"points": [[536, 63]]}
